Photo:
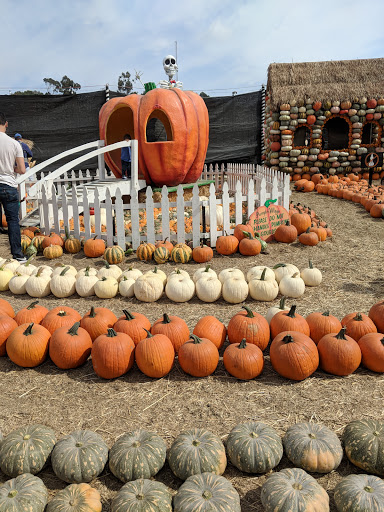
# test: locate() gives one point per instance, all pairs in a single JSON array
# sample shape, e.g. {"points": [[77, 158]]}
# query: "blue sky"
{"points": [[222, 45]]}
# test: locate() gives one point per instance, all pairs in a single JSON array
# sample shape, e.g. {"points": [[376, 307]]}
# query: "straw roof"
{"points": [[328, 80]]}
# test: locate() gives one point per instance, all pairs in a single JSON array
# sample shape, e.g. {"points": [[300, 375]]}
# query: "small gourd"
{"points": [[126, 287], [311, 276]]}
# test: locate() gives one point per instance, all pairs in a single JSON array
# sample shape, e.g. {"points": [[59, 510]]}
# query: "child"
{"points": [[126, 160]]}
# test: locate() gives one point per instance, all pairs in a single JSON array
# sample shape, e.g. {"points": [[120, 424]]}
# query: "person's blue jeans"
{"points": [[9, 198]]}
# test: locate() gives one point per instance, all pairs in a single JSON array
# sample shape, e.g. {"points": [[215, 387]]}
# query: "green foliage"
{"points": [[124, 84], [28, 93], [65, 86]]}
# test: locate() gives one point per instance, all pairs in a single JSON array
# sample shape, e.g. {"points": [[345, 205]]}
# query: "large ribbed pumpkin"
{"points": [[313, 447], [207, 492], [339, 354], [76, 498], [137, 454], [243, 360], [70, 348], [365, 492], [79, 457], [250, 326], [26, 450], [254, 447], [112, 354], [293, 490], [197, 451], [141, 496], [364, 444], [27, 345], [25, 493], [372, 350]]}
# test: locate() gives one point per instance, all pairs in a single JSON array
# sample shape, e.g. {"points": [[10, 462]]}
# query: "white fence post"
{"points": [[101, 161]]}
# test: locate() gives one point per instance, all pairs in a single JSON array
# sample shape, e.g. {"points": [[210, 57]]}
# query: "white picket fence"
{"points": [[122, 220]]}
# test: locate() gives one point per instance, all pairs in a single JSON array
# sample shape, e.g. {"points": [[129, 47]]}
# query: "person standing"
{"points": [[27, 152], [126, 160], [11, 163]]}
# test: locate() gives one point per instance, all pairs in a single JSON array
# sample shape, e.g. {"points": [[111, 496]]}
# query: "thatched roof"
{"points": [[328, 80]]}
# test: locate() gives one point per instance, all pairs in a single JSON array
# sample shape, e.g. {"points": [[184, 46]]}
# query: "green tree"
{"points": [[124, 84], [204, 95], [28, 93], [65, 86]]}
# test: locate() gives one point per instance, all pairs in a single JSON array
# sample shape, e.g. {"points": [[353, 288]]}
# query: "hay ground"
{"points": [[352, 265]]}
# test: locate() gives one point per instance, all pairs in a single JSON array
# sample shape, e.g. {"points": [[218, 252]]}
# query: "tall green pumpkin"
{"points": [[293, 490], [254, 447], [365, 492], [76, 498], [26, 450], [137, 454], [313, 447], [197, 451], [25, 493], [207, 492], [364, 444], [79, 457], [142, 496]]}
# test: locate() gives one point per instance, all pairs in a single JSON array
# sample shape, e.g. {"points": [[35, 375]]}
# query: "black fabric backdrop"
{"points": [[58, 123]]}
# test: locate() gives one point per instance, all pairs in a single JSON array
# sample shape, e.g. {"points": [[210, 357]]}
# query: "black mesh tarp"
{"points": [[58, 123]]}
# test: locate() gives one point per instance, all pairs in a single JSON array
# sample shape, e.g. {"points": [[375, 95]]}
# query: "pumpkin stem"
{"points": [[128, 315], [62, 313], [249, 312], [73, 330], [196, 340], [262, 277], [292, 312], [92, 313], [111, 333], [287, 223], [66, 232], [341, 334], [28, 330], [382, 341], [288, 339], [358, 317], [13, 493], [64, 271], [87, 273], [107, 265], [149, 335], [243, 343], [326, 313], [282, 302], [103, 279], [33, 304], [368, 488], [29, 260], [310, 264], [166, 319], [279, 265], [154, 270], [207, 495], [207, 268]]}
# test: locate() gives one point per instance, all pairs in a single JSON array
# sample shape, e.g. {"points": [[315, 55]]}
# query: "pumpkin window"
{"points": [[370, 134], [336, 134], [158, 127], [302, 136]]}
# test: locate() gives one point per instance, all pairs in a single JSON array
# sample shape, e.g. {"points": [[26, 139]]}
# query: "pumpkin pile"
{"points": [[199, 458]]}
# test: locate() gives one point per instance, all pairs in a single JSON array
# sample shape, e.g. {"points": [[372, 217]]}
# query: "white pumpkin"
{"points": [[126, 287], [158, 273], [109, 271], [85, 284], [131, 273], [72, 271], [311, 276], [6, 275], [91, 272], [235, 290], [230, 272], [219, 213], [148, 288], [208, 288], [39, 285], [11, 265], [180, 289], [106, 287], [261, 289], [17, 284], [275, 309], [203, 272], [2, 261], [26, 268], [284, 269], [292, 286], [63, 284], [255, 272], [44, 269], [176, 273]]}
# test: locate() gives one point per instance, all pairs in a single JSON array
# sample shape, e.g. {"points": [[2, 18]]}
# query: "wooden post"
{"points": [[100, 161]]}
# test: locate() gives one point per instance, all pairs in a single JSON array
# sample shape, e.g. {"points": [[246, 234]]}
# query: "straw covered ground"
{"points": [[352, 265]]}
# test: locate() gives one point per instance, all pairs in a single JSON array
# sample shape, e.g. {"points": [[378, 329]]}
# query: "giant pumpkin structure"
{"points": [[178, 159]]}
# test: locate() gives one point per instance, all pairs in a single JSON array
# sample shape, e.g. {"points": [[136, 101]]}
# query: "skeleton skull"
{"points": [[170, 66]]}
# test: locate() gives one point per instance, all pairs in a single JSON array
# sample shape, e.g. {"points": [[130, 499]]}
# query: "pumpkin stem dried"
{"points": [[166, 319], [128, 315], [92, 313], [33, 304], [326, 313], [242, 343], [262, 277], [292, 312], [149, 335], [358, 317], [279, 265], [288, 339], [64, 271], [341, 334], [28, 330], [73, 330], [196, 340], [111, 333], [13, 493], [249, 312], [282, 302], [310, 264], [107, 265], [207, 268]]}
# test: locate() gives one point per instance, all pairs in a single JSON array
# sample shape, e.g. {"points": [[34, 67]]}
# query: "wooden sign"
{"points": [[266, 219], [371, 160]]}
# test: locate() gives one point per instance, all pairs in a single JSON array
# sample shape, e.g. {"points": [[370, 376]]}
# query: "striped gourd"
{"points": [[142, 496], [72, 245], [313, 447], [197, 451], [38, 242], [366, 492], [137, 454], [181, 253], [293, 490], [114, 254], [207, 492], [254, 447], [161, 254], [76, 498], [23, 493], [26, 450], [25, 243], [364, 444], [79, 457], [145, 251]]}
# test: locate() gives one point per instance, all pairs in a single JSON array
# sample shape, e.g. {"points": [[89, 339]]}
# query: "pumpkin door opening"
{"points": [[302, 136], [120, 122], [158, 128], [336, 134]]}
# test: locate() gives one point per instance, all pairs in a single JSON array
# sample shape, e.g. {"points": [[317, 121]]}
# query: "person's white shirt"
{"points": [[10, 153]]}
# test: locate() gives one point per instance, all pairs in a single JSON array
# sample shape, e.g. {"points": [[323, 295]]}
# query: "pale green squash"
{"points": [[142, 496], [360, 493], [364, 444], [25, 493]]}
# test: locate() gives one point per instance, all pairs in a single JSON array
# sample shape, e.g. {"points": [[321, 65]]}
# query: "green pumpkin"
{"points": [[254, 447], [114, 254], [30, 250], [26, 450], [293, 490], [181, 253], [366, 492], [137, 454], [364, 445], [76, 498], [142, 496], [313, 447], [79, 457], [207, 492], [161, 255], [197, 451], [25, 493]]}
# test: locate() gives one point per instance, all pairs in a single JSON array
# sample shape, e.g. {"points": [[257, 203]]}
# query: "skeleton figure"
{"points": [[170, 68]]}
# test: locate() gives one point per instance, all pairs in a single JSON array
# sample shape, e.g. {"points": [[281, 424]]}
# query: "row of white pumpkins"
{"points": [[261, 283]]}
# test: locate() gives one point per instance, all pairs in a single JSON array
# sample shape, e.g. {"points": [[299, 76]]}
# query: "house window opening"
{"points": [[302, 136], [336, 134], [370, 134]]}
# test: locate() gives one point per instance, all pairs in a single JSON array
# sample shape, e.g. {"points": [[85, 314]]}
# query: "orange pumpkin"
{"points": [[211, 328], [155, 355], [174, 327], [112, 354], [70, 348], [94, 248], [265, 220], [243, 360], [27, 345], [7, 325]]}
